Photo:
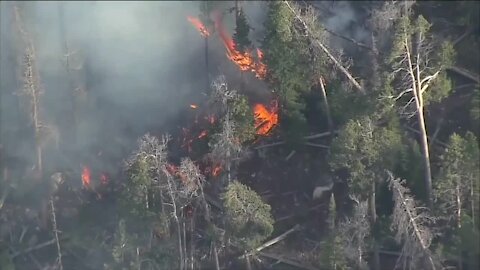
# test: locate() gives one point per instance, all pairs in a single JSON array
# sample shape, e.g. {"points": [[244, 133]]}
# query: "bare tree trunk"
{"points": [[248, 264], [327, 108], [459, 220], [192, 242], [177, 222], [425, 152], [55, 230], [417, 88], [373, 220]]}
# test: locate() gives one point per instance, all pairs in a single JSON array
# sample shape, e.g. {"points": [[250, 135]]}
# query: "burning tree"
{"points": [[284, 56], [240, 37]]}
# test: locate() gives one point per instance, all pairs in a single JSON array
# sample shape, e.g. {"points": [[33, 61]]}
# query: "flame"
{"points": [[193, 106], [103, 179], [86, 177], [202, 134], [199, 25], [244, 61], [265, 119], [216, 170]]}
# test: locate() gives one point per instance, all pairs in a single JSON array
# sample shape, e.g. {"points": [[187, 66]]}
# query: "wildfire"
{"points": [[245, 61], [86, 177], [193, 106], [199, 25], [265, 119]]}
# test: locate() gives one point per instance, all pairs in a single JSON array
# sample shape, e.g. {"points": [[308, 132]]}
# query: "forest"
{"points": [[316, 135]]}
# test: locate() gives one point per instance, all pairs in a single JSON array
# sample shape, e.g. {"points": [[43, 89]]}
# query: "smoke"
{"points": [[346, 20], [135, 66]]}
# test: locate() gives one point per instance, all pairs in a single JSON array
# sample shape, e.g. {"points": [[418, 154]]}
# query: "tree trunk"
{"points": [[459, 220], [425, 151], [373, 220], [248, 264], [327, 108]]}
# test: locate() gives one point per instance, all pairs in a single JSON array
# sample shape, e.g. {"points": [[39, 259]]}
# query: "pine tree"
{"points": [[249, 220], [285, 54], [242, 29]]}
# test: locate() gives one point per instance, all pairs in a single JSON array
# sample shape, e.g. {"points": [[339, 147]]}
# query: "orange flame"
{"points": [[202, 134], [244, 60], [216, 170], [86, 177], [199, 25], [265, 119], [193, 106]]}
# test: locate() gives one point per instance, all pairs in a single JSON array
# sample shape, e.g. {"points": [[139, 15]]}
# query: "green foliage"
{"points": [[243, 116], [135, 195], [286, 56], [410, 167], [331, 257], [447, 54], [365, 151], [412, 40], [458, 170], [240, 37], [248, 219]]}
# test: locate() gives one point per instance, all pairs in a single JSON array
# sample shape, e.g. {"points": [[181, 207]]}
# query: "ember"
{"points": [[199, 25], [216, 170], [265, 119], [202, 134], [193, 106], [86, 177]]}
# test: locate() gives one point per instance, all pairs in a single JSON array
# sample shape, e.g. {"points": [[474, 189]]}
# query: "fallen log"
{"points": [[465, 73], [273, 241], [317, 145], [39, 246], [287, 261]]}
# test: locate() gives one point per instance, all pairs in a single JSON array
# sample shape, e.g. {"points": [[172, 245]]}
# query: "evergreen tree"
{"points": [[456, 197], [248, 219], [286, 54], [240, 37]]}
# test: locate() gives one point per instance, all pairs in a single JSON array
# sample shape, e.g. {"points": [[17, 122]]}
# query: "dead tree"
{"points": [[411, 225], [193, 175], [414, 71], [353, 232], [31, 81], [226, 147]]}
